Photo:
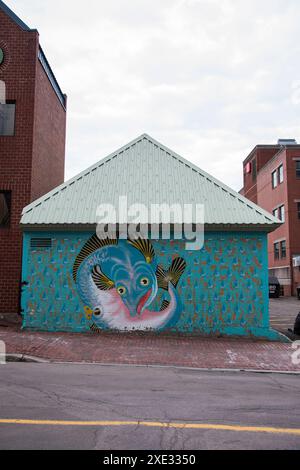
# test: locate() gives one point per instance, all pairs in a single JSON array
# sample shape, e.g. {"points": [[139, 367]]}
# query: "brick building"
{"points": [[272, 180], [32, 140]]}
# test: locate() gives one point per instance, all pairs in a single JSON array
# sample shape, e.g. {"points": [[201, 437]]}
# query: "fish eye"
{"points": [[121, 290], [144, 281], [97, 312]]}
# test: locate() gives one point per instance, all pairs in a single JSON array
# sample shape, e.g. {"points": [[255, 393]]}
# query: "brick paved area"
{"points": [[152, 349]]}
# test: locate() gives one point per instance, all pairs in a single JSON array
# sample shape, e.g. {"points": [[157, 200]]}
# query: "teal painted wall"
{"points": [[222, 290]]}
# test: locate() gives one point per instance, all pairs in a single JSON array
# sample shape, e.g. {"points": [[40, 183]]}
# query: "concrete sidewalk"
{"points": [[150, 349]]}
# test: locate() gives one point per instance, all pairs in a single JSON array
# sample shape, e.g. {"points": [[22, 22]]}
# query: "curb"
{"points": [[199, 369], [25, 358], [38, 360]]}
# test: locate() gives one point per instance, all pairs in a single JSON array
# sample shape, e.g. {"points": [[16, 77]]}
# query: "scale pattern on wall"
{"points": [[78, 285]]}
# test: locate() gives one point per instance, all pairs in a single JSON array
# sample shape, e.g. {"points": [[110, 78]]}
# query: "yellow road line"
{"points": [[155, 424]]}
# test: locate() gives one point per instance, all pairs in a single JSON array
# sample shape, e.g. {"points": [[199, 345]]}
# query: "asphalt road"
{"points": [[201, 401]]}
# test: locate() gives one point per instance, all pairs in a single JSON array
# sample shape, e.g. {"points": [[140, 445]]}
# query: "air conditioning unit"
{"points": [[287, 142], [296, 261]]}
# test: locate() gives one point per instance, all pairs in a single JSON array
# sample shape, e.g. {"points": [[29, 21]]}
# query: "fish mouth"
{"points": [[142, 302]]}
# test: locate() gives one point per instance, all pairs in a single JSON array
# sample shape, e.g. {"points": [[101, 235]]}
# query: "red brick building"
{"points": [[32, 140], [272, 180]]}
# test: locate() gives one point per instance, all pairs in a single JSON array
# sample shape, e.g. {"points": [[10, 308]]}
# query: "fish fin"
{"points": [[88, 312], [173, 274], [101, 280], [95, 328], [161, 278], [93, 244], [176, 270], [165, 304], [145, 247]]}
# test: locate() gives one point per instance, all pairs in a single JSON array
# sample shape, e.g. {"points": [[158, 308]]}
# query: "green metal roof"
{"points": [[146, 172]]}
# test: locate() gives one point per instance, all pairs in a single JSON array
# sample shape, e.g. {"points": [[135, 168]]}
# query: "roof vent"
{"points": [[287, 142], [40, 243]]}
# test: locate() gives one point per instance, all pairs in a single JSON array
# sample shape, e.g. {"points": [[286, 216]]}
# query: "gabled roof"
{"points": [[14, 17], [146, 172]]}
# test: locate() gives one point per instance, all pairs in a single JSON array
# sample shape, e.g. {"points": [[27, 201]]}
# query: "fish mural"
{"points": [[118, 280]]}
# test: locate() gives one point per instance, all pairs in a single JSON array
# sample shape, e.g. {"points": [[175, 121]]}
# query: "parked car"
{"points": [[297, 325], [274, 287]]}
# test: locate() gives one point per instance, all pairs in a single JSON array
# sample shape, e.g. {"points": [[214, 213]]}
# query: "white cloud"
{"points": [[209, 78]]}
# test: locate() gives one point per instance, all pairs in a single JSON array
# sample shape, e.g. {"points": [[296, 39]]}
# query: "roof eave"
{"points": [[92, 227]]}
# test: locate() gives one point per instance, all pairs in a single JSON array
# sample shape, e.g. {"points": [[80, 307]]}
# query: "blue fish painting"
{"points": [[118, 280]]}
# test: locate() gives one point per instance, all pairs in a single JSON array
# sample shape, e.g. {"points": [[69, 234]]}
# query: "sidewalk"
{"points": [[150, 349]]}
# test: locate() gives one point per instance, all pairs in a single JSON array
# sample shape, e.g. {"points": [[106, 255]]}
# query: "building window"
{"points": [[276, 250], [277, 176], [280, 174], [298, 209], [298, 169], [7, 119], [279, 213], [283, 249], [5, 208], [1, 56], [274, 179]]}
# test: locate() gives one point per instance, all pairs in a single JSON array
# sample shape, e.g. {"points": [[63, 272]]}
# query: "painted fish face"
{"points": [[136, 286], [118, 281]]}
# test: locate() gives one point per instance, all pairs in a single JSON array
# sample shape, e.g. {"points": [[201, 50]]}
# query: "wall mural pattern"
{"points": [[83, 285]]}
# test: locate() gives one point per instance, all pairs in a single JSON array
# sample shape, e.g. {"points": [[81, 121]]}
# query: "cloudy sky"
{"points": [[208, 78]]}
